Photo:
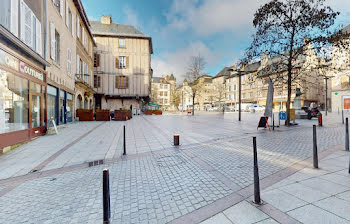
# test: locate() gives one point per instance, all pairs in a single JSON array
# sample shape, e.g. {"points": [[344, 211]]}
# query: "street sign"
{"points": [[282, 115]]}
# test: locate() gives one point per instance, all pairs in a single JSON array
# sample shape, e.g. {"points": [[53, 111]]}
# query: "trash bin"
{"points": [[319, 116]]}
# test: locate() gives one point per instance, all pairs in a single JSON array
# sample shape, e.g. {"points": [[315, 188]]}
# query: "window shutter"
{"points": [[116, 62], [73, 25], [14, 18], [78, 27], [127, 61], [61, 7], [22, 12], [39, 45], [83, 35], [78, 64], [67, 17], [53, 41], [68, 61], [126, 82]]}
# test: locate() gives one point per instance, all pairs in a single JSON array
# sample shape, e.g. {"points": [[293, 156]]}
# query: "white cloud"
{"points": [[131, 16], [176, 62], [212, 16]]}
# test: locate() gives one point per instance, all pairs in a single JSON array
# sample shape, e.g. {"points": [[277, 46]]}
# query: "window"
{"points": [[165, 93], [344, 82], [165, 101], [161, 86], [121, 82], [160, 93], [69, 61], [57, 47], [234, 87], [96, 60], [121, 43], [97, 81], [70, 21], [243, 77], [59, 6], [122, 61], [251, 95], [30, 26], [243, 96]]}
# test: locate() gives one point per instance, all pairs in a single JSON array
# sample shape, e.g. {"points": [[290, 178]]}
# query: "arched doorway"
{"points": [[79, 102], [86, 103]]}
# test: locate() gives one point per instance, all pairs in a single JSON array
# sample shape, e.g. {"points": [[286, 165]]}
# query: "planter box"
{"points": [[157, 112], [102, 115], [148, 112], [85, 115], [122, 115]]}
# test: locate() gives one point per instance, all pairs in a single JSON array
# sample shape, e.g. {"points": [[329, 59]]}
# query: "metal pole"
{"points": [[124, 145], [347, 134], [106, 198], [273, 121], [342, 116], [257, 199], [315, 155], [239, 95], [326, 96]]}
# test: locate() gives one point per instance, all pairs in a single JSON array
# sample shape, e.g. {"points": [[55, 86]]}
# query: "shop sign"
{"points": [[26, 69], [8, 60]]}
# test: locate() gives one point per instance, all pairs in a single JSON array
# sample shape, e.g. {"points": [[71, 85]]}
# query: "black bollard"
{"points": [[124, 143], [106, 198], [257, 199], [315, 147], [273, 121], [342, 116], [347, 135]]}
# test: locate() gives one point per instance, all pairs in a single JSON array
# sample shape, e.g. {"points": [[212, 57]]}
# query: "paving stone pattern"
{"points": [[154, 189]]}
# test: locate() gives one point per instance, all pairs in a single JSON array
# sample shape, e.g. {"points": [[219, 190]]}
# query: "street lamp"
{"points": [[239, 73]]}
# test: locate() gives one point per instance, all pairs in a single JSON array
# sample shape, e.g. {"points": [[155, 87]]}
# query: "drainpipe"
{"points": [[46, 29]]}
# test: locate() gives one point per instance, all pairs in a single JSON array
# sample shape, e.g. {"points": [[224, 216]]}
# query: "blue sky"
{"points": [[219, 30]]}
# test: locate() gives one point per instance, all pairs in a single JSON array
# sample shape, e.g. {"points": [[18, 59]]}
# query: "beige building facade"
{"points": [[61, 50], [84, 92], [161, 92], [122, 65]]}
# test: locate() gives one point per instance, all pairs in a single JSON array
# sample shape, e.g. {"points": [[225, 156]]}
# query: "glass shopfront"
{"points": [[14, 102], [22, 100], [52, 104], [69, 107]]}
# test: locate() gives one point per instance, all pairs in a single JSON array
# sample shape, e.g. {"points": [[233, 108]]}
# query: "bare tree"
{"points": [[220, 94], [195, 70], [286, 29], [175, 98]]}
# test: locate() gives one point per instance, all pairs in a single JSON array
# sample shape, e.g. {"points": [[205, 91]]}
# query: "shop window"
{"points": [[52, 103], [36, 105], [69, 107], [14, 103]]}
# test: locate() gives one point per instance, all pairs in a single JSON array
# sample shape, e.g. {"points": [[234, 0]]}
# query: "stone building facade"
{"points": [[122, 65]]}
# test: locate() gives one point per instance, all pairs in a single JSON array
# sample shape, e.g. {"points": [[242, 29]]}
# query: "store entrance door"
{"points": [[36, 109]]}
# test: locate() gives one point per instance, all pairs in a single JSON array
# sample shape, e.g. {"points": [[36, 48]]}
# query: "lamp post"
{"points": [[239, 73]]}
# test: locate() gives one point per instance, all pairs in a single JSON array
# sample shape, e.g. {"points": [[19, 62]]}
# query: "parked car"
{"points": [[255, 108]]}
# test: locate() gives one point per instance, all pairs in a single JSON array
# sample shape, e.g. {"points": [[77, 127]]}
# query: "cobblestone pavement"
{"points": [[156, 182]]}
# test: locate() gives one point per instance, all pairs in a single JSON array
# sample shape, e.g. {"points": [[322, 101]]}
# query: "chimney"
{"points": [[106, 19]]}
